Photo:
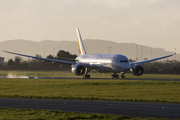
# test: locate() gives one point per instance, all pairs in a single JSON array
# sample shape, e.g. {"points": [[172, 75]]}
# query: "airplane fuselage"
{"points": [[107, 62]]}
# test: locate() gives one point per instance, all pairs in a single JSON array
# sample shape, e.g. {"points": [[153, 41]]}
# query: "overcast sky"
{"points": [[154, 23]]}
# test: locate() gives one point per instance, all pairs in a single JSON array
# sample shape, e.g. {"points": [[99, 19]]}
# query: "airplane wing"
{"points": [[150, 60], [52, 60], [66, 59]]}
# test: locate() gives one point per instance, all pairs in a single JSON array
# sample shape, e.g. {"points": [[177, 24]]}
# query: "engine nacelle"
{"points": [[137, 70], [78, 69]]}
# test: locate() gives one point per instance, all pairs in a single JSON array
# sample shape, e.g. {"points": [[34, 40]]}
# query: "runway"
{"points": [[129, 109], [88, 79], [107, 78]]}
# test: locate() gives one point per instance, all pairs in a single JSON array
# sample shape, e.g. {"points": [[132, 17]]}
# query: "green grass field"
{"points": [[20, 114], [82, 89]]}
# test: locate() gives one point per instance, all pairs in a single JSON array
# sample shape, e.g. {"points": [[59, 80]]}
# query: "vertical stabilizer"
{"points": [[80, 43]]}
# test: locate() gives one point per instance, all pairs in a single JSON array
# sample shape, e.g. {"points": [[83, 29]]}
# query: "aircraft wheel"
{"points": [[112, 76], [123, 77], [87, 77], [117, 76]]}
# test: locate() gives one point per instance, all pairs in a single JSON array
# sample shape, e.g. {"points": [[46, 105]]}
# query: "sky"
{"points": [[154, 23]]}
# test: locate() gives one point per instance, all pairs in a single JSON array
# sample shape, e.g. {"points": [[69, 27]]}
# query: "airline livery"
{"points": [[103, 63]]}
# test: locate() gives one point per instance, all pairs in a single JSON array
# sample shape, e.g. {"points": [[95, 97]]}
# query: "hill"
{"points": [[47, 47]]}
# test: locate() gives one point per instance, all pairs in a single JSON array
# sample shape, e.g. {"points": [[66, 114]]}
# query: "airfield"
{"points": [[132, 97]]}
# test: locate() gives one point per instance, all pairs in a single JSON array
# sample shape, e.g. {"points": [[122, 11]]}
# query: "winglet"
{"points": [[80, 43]]}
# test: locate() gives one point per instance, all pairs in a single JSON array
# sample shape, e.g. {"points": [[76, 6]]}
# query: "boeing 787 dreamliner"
{"points": [[103, 63]]}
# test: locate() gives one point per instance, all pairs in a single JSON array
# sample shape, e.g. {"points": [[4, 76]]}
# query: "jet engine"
{"points": [[137, 70], [78, 69]]}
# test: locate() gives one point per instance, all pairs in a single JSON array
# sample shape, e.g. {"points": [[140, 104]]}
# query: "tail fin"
{"points": [[80, 43]]}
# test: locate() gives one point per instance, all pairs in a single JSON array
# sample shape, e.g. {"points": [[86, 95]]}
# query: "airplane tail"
{"points": [[80, 43]]}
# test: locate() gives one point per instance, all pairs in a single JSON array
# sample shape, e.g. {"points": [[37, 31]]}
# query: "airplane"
{"points": [[103, 63]]}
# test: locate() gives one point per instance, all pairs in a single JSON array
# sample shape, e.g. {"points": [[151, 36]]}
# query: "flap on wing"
{"points": [[52, 60]]}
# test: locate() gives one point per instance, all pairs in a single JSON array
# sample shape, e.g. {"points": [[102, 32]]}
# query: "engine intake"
{"points": [[78, 69], [137, 70]]}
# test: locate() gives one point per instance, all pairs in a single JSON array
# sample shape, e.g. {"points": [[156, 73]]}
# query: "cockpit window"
{"points": [[124, 61]]}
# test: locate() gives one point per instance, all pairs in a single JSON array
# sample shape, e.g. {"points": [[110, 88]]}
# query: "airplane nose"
{"points": [[125, 67]]}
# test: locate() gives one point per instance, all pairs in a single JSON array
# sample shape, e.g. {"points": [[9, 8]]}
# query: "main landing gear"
{"points": [[122, 75], [86, 76], [114, 76]]}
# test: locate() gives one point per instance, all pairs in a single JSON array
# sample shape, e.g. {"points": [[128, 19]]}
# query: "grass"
{"points": [[80, 89], [22, 114]]}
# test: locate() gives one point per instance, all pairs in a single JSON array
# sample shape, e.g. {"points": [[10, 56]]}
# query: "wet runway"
{"points": [[129, 109]]}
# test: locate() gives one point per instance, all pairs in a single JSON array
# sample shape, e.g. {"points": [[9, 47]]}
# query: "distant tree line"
{"points": [[156, 67], [36, 64], [165, 67], [161, 67]]}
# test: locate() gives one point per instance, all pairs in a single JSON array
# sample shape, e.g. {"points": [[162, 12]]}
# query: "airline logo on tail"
{"points": [[80, 43]]}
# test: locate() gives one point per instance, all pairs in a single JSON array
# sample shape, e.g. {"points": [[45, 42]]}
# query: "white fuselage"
{"points": [[107, 62]]}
